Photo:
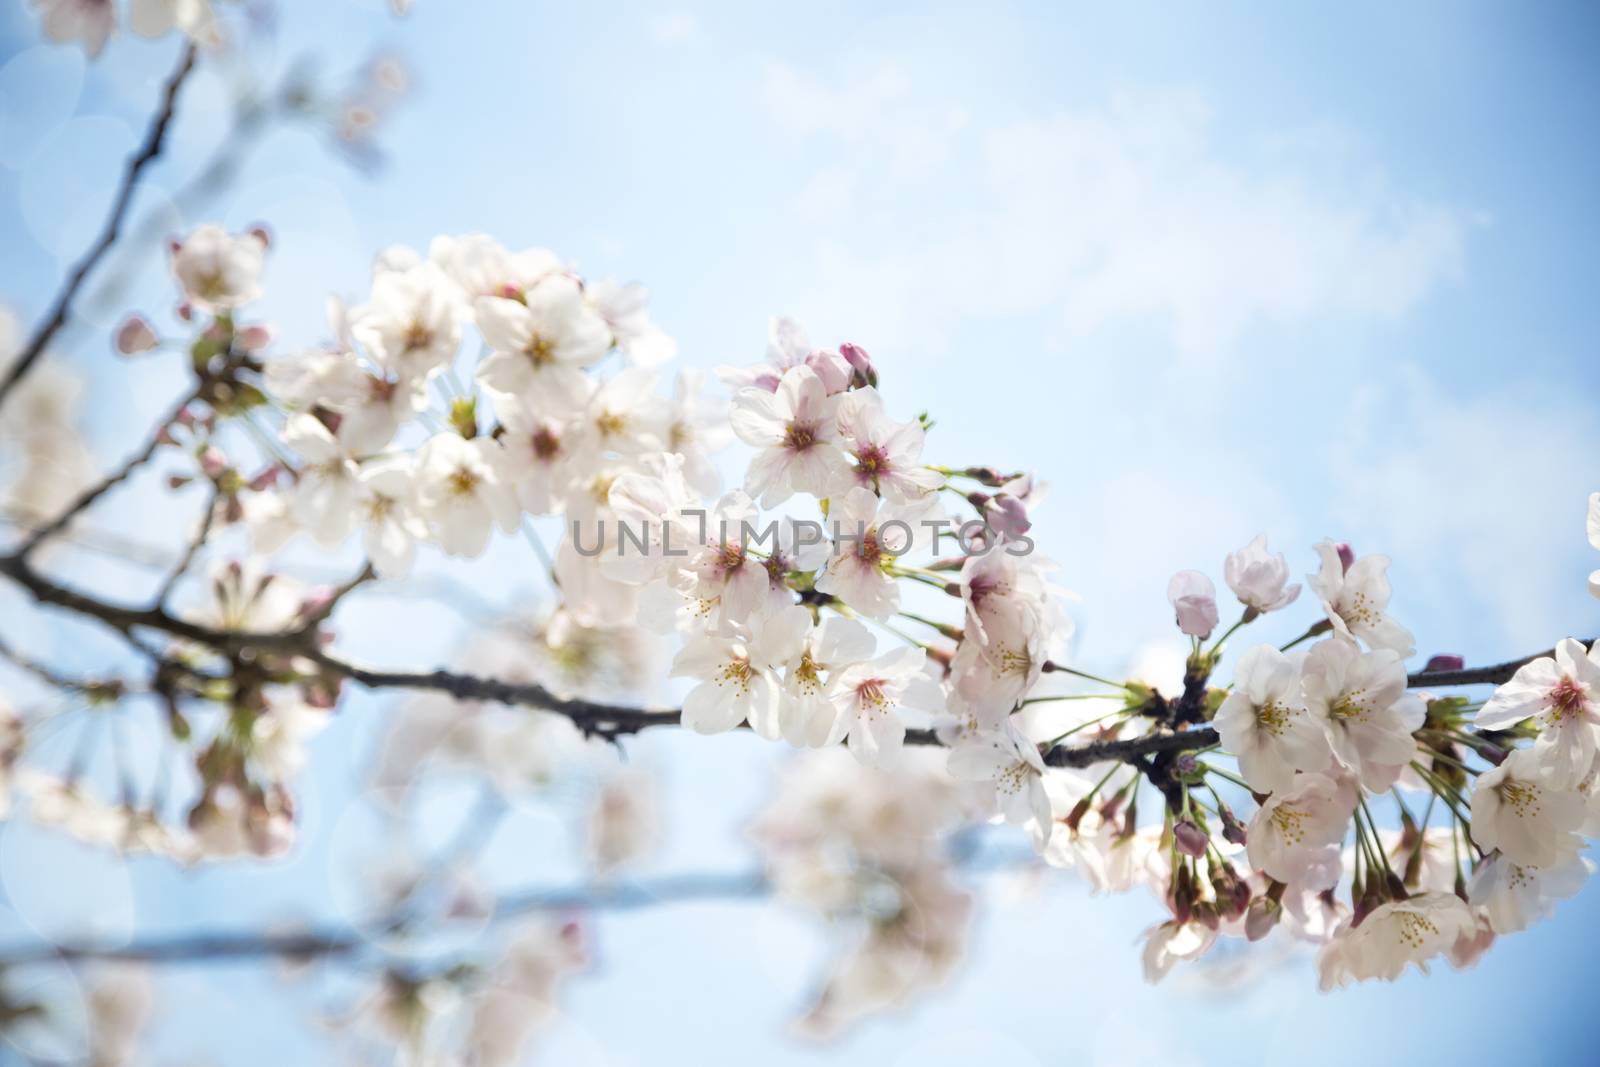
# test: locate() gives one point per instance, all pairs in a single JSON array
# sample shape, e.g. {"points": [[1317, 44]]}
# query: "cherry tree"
{"points": [[889, 613]]}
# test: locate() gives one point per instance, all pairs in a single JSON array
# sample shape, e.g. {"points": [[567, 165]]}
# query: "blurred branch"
{"points": [[155, 136], [213, 946]]}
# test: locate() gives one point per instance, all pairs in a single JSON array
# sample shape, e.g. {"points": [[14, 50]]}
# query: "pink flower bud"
{"points": [[1445, 663], [835, 373], [1347, 555], [1232, 829], [135, 335], [184, 311], [860, 362], [254, 337], [1006, 516], [1191, 839], [1262, 915], [1194, 599], [266, 479], [260, 232], [213, 462]]}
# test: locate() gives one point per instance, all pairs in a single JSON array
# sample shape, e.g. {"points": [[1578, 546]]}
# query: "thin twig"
{"points": [[154, 138]]}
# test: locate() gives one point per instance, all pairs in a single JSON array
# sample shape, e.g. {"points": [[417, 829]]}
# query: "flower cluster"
{"points": [[828, 600]]}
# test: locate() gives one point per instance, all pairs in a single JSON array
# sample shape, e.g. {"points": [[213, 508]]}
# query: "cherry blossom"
{"points": [[1563, 693], [328, 486], [1008, 759], [887, 455], [1258, 578], [1356, 599], [218, 270], [737, 684], [541, 341], [1395, 934], [1194, 598], [411, 325], [1514, 896], [462, 492], [1361, 700], [815, 653], [795, 429], [1265, 724], [869, 696], [1521, 809], [386, 507], [869, 535], [1295, 835]]}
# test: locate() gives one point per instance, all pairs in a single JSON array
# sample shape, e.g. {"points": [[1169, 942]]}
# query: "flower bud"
{"points": [[860, 362], [260, 232], [254, 337], [1194, 599], [1262, 915], [213, 462], [1006, 516], [1191, 839], [135, 335], [1232, 829], [1444, 663]]}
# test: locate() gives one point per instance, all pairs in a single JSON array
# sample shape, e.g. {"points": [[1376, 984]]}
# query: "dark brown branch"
{"points": [[155, 137], [1497, 674], [593, 717]]}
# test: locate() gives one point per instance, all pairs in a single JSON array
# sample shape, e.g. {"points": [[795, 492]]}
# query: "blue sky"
{"points": [[1211, 271]]}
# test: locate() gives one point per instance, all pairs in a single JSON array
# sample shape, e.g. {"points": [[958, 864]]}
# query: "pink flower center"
{"points": [[1567, 698]]}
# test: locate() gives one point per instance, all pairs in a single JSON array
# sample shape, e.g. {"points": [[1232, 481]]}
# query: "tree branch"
{"points": [[155, 136], [595, 718]]}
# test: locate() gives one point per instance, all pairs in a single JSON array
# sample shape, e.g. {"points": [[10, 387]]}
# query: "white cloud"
{"points": [[1135, 210], [1480, 499]]}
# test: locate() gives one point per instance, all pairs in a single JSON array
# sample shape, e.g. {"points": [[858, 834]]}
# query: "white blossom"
{"points": [[1562, 692], [1258, 578], [1264, 722], [1514, 896], [1356, 600], [462, 492], [386, 509], [1393, 935], [541, 341], [218, 270], [886, 456], [795, 431], [737, 684], [1012, 762], [869, 696], [1296, 834], [1362, 702], [328, 486], [412, 323], [813, 655], [1521, 808], [1194, 599]]}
